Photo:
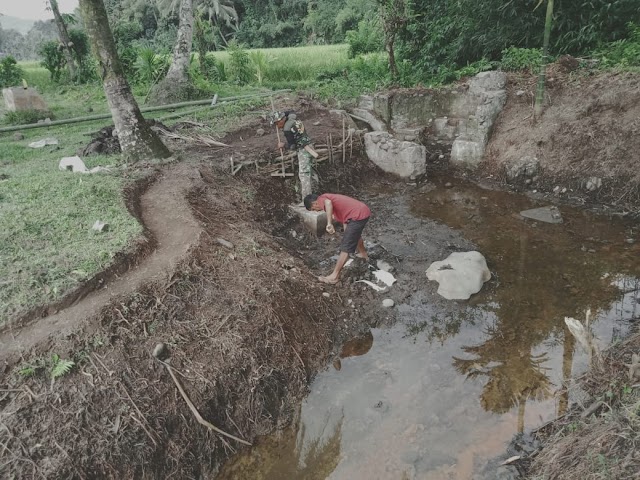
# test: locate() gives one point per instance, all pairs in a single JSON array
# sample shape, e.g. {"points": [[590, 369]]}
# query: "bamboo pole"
{"points": [[344, 146], [104, 116]]}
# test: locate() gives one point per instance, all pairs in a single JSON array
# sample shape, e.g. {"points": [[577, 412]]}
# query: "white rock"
{"points": [[388, 303], [461, 275], [326, 294], [100, 226], [384, 277], [75, 164]]}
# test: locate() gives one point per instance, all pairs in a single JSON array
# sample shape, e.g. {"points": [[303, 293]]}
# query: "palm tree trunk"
{"points": [[63, 34], [182, 48], [137, 140], [176, 86], [542, 77]]}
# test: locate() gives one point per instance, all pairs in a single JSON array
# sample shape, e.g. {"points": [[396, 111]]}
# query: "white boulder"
{"points": [[460, 275]]}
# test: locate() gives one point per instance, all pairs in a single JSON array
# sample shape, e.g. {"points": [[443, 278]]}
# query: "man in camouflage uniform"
{"points": [[297, 139]]}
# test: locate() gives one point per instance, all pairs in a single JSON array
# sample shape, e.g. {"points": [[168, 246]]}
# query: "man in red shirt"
{"points": [[348, 211]]}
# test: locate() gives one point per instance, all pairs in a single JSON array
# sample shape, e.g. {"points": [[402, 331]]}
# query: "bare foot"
{"points": [[364, 257], [328, 280]]}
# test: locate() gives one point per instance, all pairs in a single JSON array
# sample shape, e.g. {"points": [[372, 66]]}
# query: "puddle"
{"points": [[441, 393]]}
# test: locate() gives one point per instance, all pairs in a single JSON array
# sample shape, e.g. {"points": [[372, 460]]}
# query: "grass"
{"points": [[48, 245]]}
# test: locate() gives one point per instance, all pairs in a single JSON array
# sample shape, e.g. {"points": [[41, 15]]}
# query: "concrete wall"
{"points": [[462, 115]]}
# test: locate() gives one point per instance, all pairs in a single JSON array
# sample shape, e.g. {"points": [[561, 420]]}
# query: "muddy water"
{"points": [[440, 394]]}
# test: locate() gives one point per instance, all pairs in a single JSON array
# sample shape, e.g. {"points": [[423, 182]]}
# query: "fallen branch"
{"points": [[195, 412]]}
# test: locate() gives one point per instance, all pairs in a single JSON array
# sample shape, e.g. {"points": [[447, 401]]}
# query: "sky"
{"points": [[34, 9]]}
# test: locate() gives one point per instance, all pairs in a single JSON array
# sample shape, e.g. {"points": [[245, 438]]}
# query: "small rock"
{"points": [[260, 132], [440, 157], [18, 136], [294, 234], [100, 226], [316, 123], [337, 364], [564, 190], [528, 181], [326, 294], [630, 240], [388, 303], [448, 185], [556, 189], [519, 93], [591, 250], [160, 351]]}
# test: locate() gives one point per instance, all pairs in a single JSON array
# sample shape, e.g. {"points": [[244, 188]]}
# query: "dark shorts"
{"points": [[352, 234]]}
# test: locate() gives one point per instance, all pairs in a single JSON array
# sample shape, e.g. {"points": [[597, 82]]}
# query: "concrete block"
{"points": [[466, 153], [18, 99], [315, 222], [406, 159]]}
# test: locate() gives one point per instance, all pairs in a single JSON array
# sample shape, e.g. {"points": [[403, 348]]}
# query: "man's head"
{"points": [[311, 203], [278, 119]]}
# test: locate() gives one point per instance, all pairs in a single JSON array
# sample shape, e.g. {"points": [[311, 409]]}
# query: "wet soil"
{"points": [[445, 386]]}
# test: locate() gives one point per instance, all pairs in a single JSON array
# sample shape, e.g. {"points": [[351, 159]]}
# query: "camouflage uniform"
{"points": [[297, 138]]}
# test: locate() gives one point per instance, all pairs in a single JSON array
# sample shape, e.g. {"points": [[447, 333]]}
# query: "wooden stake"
{"points": [[278, 134], [344, 146]]}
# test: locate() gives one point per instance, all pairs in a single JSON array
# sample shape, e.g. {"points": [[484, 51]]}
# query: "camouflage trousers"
{"points": [[305, 172]]}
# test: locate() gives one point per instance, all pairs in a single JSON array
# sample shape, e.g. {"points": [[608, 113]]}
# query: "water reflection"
{"points": [[445, 389]]}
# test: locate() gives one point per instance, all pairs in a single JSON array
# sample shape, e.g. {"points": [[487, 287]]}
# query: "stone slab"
{"points": [[543, 214], [405, 159], [315, 222], [19, 99]]}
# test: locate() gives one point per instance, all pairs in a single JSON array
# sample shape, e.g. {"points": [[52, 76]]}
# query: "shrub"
{"points": [[622, 53], [24, 117], [516, 59], [53, 59], [367, 38], [150, 67], [10, 73], [239, 67], [213, 70], [260, 62]]}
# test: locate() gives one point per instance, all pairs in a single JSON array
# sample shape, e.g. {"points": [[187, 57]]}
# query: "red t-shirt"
{"points": [[345, 208]]}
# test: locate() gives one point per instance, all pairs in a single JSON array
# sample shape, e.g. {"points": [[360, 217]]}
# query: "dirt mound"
{"points": [[589, 130], [245, 328]]}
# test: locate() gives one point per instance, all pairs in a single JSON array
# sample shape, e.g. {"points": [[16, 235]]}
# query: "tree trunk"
{"points": [[176, 85], [137, 140], [542, 77], [64, 39], [393, 67]]}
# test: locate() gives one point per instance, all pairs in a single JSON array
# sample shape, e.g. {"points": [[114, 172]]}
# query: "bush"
{"points": [[213, 70], [150, 67], [367, 38], [10, 73], [24, 117], [52, 59], [239, 67], [622, 53], [515, 59]]}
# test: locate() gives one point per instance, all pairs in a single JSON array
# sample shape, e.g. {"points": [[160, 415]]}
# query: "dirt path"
{"points": [[167, 216]]}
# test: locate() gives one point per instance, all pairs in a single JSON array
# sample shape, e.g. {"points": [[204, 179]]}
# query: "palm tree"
{"points": [[65, 41], [137, 140]]}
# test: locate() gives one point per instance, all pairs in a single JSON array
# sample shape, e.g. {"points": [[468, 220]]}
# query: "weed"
{"points": [[60, 367], [516, 59]]}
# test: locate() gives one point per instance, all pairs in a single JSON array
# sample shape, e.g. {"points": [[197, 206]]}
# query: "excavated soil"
{"points": [[245, 330], [589, 128]]}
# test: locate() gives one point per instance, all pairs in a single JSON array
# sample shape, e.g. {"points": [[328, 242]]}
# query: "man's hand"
{"points": [[281, 145], [330, 229]]}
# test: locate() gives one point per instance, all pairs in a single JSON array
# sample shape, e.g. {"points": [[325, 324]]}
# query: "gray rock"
{"points": [[404, 159], [523, 167], [260, 132], [519, 93], [543, 214], [388, 303], [160, 351], [593, 183]]}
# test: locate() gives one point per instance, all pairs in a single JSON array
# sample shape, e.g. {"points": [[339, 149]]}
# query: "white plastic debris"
{"points": [[384, 266], [377, 288], [44, 142], [385, 277]]}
